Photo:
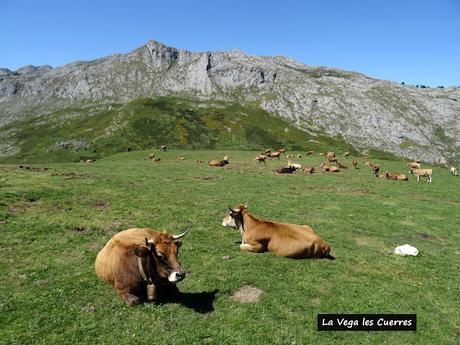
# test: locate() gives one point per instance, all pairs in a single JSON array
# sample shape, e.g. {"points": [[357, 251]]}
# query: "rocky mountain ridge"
{"points": [[368, 113]]}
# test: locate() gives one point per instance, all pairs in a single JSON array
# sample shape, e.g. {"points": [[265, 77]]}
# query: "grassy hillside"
{"points": [[87, 131], [54, 221]]}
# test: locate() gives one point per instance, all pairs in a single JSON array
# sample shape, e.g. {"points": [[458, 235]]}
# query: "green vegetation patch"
{"points": [[150, 122]]}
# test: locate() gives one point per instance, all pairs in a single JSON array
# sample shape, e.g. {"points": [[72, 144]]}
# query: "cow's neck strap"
{"points": [[142, 271]]}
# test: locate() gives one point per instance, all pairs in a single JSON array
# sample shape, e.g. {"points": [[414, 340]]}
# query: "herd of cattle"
{"points": [[331, 166], [142, 264]]}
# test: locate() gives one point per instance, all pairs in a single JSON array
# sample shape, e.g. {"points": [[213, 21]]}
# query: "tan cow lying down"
{"points": [[218, 162], [290, 240], [141, 264], [309, 170], [395, 176], [329, 168]]}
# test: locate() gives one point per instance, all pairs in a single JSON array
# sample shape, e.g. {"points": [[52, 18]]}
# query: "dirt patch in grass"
{"points": [[112, 226], [92, 246], [42, 282], [426, 236], [21, 207], [80, 229], [206, 178], [101, 205], [71, 175], [89, 308], [332, 188], [34, 169], [247, 294], [315, 301], [421, 197]]}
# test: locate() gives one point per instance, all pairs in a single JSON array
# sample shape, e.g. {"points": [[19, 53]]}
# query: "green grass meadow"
{"points": [[53, 223]]}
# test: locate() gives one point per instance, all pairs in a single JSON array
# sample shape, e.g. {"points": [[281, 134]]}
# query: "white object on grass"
{"points": [[406, 250]]}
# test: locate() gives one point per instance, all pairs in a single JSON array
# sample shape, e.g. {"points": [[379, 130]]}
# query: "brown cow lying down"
{"points": [[329, 168], [141, 264], [217, 163], [290, 240], [395, 176], [288, 170]]}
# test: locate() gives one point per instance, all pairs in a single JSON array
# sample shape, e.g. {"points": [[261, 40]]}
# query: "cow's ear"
{"points": [[141, 251], [178, 243]]}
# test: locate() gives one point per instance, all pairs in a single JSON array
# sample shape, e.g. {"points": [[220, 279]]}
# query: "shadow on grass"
{"points": [[201, 302]]}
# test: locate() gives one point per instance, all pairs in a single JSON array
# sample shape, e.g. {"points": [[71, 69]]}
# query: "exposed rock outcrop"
{"points": [[368, 113]]}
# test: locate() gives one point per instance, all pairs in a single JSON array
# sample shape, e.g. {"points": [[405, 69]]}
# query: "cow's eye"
{"points": [[161, 256]]}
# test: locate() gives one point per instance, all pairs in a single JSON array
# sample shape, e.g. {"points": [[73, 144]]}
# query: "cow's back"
{"points": [[118, 252], [296, 241]]}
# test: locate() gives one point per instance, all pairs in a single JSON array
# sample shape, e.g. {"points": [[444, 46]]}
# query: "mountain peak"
{"points": [[368, 113]]}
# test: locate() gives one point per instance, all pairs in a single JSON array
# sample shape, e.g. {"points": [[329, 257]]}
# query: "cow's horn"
{"points": [[176, 237], [230, 208], [246, 205]]}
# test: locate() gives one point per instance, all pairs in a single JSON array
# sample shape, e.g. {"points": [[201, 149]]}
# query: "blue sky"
{"points": [[415, 41]]}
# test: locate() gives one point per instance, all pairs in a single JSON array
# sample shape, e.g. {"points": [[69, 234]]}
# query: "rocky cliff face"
{"points": [[368, 113]]}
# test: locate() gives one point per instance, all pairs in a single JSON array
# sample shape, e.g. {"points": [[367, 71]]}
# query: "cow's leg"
{"points": [[124, 293], [418, 178], [254, 248]]}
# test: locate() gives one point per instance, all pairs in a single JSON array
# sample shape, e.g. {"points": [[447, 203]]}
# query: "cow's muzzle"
{"points": [[177, 276]]}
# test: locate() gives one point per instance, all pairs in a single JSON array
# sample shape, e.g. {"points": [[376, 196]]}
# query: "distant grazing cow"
{"points": [[422, 172], [453, 171], [346, 154], [311, 153], [281, 150], [288, 170], [375, 168], [275, 154], [163, 147], [260, 158], [289, 240], [395, 176], [90, 161], [180, 158], [199, 161], [413, 165], [152, 156], [322, 154], [299, 156], [355, 163], [309, 170], [141, 264]]}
